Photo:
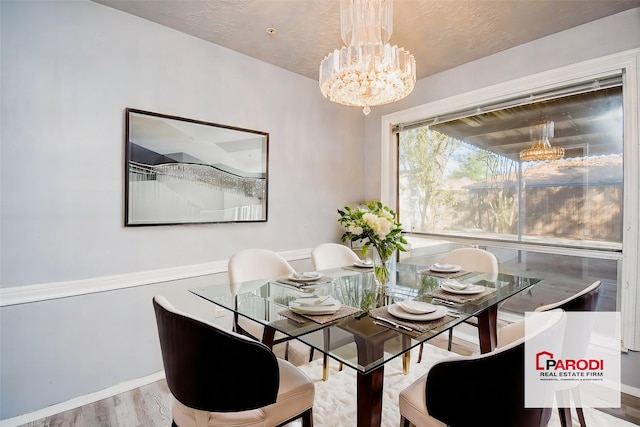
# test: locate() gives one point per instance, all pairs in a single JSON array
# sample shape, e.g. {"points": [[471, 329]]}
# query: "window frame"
{"points": [[627, 63]]}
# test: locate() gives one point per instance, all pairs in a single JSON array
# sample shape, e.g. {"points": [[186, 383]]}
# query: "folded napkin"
{"points": [[454, 284], [316, 301], [363, 263], [299, 285], [444, 266], [416, 307]]}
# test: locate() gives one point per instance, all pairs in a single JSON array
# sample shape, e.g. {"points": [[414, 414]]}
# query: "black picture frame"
{"points": [[186, 171]]}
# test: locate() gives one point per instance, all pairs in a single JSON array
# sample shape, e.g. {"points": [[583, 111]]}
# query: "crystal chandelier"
{"points": [[367, 71], [542, 149]]}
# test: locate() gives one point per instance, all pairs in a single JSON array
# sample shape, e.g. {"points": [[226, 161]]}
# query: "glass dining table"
{"points": [[364, 334]]}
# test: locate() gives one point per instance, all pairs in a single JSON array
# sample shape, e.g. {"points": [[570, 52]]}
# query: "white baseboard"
{"points": [[633, 391], [81, 401]]}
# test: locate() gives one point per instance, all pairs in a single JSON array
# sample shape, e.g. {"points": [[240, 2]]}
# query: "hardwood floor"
{"points": [[629, 409], [147, 406]]}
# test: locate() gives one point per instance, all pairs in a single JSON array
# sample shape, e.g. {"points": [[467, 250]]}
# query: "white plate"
{"points": [[363, 264], [304, 308], [469, 290], [445, 268], [316, 301], [305, 277], [416, 307], [398, 312]]}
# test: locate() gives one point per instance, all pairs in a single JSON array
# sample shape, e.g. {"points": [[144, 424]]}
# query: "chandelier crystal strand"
{"points": [[367, 71], [542, 149]]}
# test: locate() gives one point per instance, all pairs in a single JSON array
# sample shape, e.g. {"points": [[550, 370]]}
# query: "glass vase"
{"points": [[384, 266], [384, 273]]}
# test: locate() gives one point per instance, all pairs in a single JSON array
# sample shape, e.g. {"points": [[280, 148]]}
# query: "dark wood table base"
{"points": [[488, 329], [370, 388]]}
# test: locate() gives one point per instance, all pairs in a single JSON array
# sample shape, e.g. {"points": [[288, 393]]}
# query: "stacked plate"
{"points": [[455, 287], [416, 310], [445, 268], [315, 305], [305, 277]]}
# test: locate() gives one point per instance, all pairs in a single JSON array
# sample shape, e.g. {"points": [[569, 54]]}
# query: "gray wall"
{"points": [[69, 69]]}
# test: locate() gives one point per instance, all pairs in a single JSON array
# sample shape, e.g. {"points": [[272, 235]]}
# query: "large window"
{"points": [[463, 176]]}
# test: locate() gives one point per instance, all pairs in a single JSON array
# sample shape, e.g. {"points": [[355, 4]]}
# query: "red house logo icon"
{"points": [[539, 356]]}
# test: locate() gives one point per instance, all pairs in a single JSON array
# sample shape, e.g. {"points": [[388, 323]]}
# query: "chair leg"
{"points": [[450, 339], [340, 367], [286, 350], [404, 422], [311, 354], [420, 353], [325, 367], [307, 418], [578, 402], [583, 422], [564, 408], [565, 417]]}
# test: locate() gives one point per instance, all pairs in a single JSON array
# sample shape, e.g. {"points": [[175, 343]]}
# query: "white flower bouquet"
{"points": [[375, 225]]}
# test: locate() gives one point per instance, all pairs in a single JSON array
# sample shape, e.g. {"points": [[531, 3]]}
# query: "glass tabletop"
{"points": [[364, 334]]}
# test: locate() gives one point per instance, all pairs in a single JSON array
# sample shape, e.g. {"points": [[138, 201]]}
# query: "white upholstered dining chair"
{"points": [[323, 257], [332, 255], [473, 259], [469, 259], [254, 264]]}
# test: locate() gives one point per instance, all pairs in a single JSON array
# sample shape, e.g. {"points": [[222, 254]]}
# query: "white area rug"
{"points": [[335, 402]]}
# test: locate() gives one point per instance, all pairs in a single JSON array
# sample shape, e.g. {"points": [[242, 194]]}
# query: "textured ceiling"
{"points": [[442, 34]]}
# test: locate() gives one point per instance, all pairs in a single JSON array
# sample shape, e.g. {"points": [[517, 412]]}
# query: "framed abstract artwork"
{"points": [[184, 171]]}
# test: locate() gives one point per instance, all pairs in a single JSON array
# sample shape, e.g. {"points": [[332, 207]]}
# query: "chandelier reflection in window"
{"points": [[542, 149], [367, 71]]}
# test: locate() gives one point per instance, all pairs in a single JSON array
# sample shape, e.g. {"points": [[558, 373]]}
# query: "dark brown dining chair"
{"points": [[430, 400], [585, 300], [220, 378]]}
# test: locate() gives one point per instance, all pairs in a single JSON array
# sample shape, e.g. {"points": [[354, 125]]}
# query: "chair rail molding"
{"points": [[48, 291]]}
